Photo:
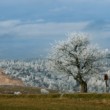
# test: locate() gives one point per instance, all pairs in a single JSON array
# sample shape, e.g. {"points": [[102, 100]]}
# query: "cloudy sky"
{"points": [[27, 27]]}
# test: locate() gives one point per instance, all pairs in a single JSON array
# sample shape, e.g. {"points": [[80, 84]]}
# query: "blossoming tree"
{"points": [[78, 58]]}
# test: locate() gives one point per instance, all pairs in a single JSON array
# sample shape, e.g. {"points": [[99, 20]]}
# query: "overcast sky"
{"points": [[27, 27]]}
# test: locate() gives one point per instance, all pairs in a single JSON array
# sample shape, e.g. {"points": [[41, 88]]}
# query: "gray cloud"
{"points": [[39, 28], [29, 29]]}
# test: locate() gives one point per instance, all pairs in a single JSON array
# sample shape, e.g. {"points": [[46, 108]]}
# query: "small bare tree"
{"points": [[76, 57]]}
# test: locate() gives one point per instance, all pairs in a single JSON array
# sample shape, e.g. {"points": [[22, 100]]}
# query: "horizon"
{"points": [[28, 27]]}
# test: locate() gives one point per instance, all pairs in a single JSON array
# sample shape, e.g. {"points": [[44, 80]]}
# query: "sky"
{"points": [[28, 27]]}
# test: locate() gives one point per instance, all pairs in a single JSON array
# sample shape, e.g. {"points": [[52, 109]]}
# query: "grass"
{"points": [[54, 102], [6, 89]]}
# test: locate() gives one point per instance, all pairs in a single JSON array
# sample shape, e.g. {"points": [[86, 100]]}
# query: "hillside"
{"points": [[35, 73]]}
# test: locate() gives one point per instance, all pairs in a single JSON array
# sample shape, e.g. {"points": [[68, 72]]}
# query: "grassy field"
{"points": [[55, 102]]}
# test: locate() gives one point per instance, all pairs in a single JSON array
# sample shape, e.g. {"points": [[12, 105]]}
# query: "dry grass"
{"points": [[54, 102]]}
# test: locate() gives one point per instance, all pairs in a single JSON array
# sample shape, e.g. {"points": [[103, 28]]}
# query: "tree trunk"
{"points": [[83, 87]]}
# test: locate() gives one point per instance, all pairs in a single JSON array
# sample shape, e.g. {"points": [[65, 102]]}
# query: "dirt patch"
{"points": [[7, 80]]}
